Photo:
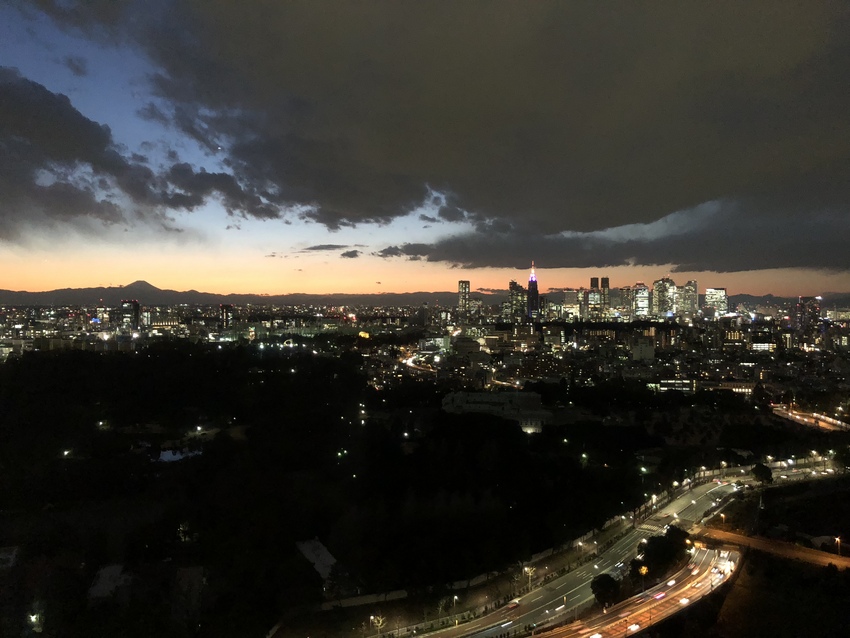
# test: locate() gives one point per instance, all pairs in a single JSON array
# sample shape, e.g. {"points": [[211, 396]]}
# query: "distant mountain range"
{"points": [[149, 295]]}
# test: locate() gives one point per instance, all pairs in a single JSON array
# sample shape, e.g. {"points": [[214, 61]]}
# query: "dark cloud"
{"points": [[553, 116], [54, 162], [717, 237], [411, 251], [153, 113], [192, 188], [350, 254], [451, 214], [57, 166], [78, 65], [326, 247]]}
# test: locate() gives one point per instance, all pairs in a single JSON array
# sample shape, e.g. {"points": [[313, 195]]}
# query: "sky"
{"points": [[388, 146]]}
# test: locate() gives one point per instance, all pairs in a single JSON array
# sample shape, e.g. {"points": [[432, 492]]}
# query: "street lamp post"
{"points": [[838, 542], [644, 570], [530, 572]]}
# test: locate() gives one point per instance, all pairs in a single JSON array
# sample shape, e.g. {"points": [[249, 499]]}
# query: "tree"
{"points": [[842, 458], [605, 588], [379, 622], [660, 553], [762, 473]]}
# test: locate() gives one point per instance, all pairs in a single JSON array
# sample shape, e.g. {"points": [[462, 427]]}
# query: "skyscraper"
{"points": [[807, 317], [463, 300], [605, 296], [715, 298], [640, 300], [518, 300], [689, 301], [130, 314], [572, 304], [663, 297], [533, 296]]}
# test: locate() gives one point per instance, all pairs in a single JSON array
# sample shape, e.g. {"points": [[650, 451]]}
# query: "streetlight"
{"points": [[530, 571], [723, 518], [643, 571], [838, 542]]}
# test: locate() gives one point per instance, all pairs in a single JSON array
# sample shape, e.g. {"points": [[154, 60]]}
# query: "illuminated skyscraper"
{"points": [[640, 300], [715, 298], [517, 300], [605, 296], [807, 318], [689, 299], [463, 300], [130, 314], [663, 297], [533, 296], [572, 304]]}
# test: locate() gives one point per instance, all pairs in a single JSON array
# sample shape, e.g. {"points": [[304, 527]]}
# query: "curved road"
{"points": [[558, 599]]}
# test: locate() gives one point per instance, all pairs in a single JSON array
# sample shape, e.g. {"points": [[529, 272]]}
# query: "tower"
{"points": [[533, 295]]}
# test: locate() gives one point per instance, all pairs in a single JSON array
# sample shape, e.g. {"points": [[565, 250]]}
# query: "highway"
{"points": [[708, 569], [779, 548], [559, 599], [812, 420]]}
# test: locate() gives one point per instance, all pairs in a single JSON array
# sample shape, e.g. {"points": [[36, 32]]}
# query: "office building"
{"points": [[605, 291], [517, 301], [130, 314], [807, 315], [463, 300], [664, 298], [571, 310], [716, 301], [640, 300], [225, 316]]}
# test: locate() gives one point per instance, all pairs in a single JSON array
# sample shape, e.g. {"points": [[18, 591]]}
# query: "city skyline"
{"points": [[358, 149], [473, 289]]}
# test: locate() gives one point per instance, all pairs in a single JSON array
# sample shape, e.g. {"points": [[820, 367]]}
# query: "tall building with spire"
{"points": [[533, 296]]}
